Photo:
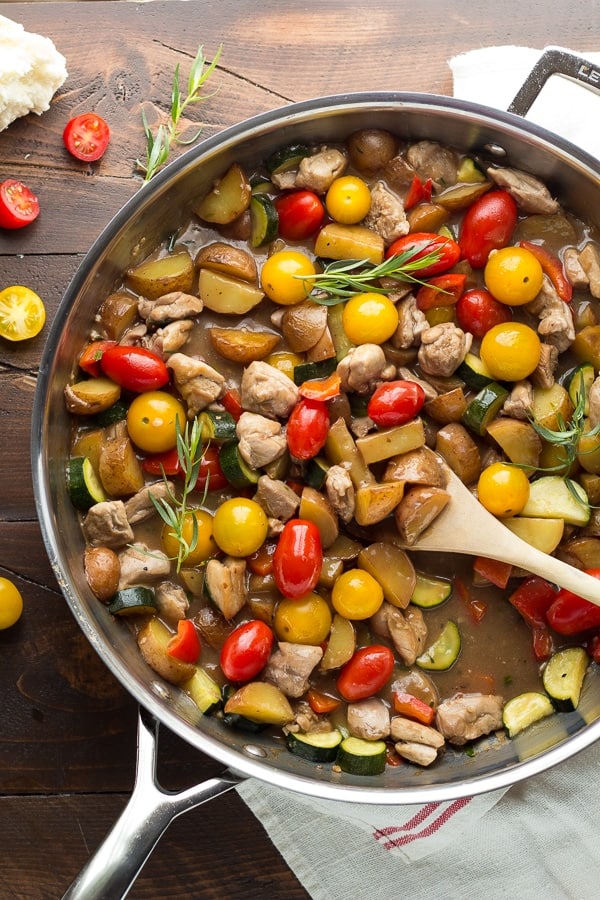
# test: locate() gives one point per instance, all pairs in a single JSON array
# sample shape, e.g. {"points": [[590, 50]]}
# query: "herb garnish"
{"points": [[158, 146], [343, 278], [173, 510]]}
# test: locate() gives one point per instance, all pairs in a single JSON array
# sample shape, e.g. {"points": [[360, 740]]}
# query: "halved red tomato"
{"points": [[19, 206], [86, 137]]}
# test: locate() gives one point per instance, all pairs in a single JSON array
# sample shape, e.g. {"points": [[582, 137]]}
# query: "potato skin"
{"points": [[371, 149], [102, 571]]}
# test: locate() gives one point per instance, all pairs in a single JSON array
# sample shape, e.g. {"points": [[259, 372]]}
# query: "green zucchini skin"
{"points": [[287, 158], [444, 652], [85, 489], [319, 747], [563, 677], [307, 371], [484, 407], [358, 757], [264, 220], [217, 427], [525, 709], [237, 472], [133, 601], [430, 591]]}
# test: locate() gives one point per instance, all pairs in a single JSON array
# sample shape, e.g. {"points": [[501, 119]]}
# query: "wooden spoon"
{"points": [[465, 526]]}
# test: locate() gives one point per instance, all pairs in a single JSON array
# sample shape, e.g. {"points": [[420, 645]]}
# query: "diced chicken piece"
{"points": [[386, 215], [276, 498], [307, 721], [590, 263], [594, 401], [419, 754], [267, 391], [170, 339], [142, 566], [556, 319], [290, 667], [543, 374], [261, 440], [443, 348], [411, 324], [369, 719], [416, 620], [274, 527], [106, 525], [408, 636], [225, 581], [197, 382], [316, 173], [431, 160], [360, 426], [529, 193], [134, 337], [340, 492], [141, 507], [362, 368], [403, 729], [466, 717], [172, 601], [169, 308], [573, 268], [519, 403], [430, 392]]}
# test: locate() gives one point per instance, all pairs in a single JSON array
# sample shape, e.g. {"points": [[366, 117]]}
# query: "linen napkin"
{"points": [[536, 839]]}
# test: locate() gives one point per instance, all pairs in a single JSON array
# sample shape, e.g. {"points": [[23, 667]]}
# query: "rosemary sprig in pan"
{"points": [[174, 510], [343, 278], [158, 146]]}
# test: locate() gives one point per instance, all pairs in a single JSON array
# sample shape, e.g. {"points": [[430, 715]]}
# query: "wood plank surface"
{"points": [[67, 728]]}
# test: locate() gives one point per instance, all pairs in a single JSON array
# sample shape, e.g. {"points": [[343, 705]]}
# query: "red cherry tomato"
{"points": [[210, 475], [89, 360], [18, 204], [185, 645], [571, 614], [488, 225], [422, 243], [477, 311], [395, 402], [165, 463], [441, 290], [246, 651], [298, 558], [134, 368], [366, 672], [86, 137], [307, 428], [300, 214]]}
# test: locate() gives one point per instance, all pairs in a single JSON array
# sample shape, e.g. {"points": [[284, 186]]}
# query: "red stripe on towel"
{"points": [[409, 835]]}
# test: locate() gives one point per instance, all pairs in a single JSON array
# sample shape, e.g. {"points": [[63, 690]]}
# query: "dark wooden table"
{"points": [[67, 728]]}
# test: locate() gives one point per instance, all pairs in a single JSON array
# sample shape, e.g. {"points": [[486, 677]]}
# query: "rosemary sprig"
{"points": [[174, 510], [343, 278], [158, 146]]}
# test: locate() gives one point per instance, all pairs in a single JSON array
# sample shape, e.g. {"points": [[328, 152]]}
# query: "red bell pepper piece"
{"points": [[232, 402], [412, 707], [571, 614], [89, 360], [418, 192], [493, 570], [261, 562], [476, 607], [593, 648], [185, 645], [321, 703], [166, 463], [321, 388], [553, 268], [442, 290], [532, 599]]}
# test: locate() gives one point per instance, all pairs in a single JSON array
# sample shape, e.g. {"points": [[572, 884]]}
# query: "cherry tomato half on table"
{"points": [[300, 214], [22, 313], [298, 558], [488, 225], [11, 604], [477, 311], [19, 206], [307, 428], [246, 650], [395, 402], [422, 243], [86, 137], [366, 672], [134, 368]]}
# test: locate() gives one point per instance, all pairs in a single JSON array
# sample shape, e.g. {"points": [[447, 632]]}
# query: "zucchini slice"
{"points": [[359, 757], [563, 677], [235, 469], [115, 413], [474, 372], [578, 382], [316, 472], [264, 220], [484, 407], [307, 371], [430, 591], [204, 691], [524, 710], [318, 747], [84, 485], [287, 158], [133, 601], [444, 652], [217, 426]]}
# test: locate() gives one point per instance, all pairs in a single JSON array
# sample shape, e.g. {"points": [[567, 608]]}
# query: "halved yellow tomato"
{"points": [[22, 313]]}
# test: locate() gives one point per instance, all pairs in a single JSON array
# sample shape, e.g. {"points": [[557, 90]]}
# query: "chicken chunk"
{"points": [[519, 403], [411, 324], [276, 498], [316, 173], [543, 374], [589, 259], [594, 401], [290, 667], [362, 368], [529, 193], [307, 721], [170, 307], [408, 634], [141, 506], [443, 348], [420, 754], [197, 382], [369, 719], [573, 268], [170, 339], [267, 391], [466, 717], [226, 583], [556, 319], [386, 215], [106, 525], [142, 566], [431, 160], [261, 440], [403, 729], [340, 492], [172, 601]]}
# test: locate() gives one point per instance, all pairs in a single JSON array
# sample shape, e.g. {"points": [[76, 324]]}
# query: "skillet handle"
{"points": [[111, 871], [554, 61]]}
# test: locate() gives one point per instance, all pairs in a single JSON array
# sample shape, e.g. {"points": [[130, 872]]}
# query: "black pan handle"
{"points": [[112, 870], [554, 61]]}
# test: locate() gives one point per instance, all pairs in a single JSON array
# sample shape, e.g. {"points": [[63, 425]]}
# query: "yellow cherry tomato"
{"points": [[240, 526], [11, 604], [513, 275], [279, 277], [369, 318], [204, 547], [306, 620], [356, 594], [285, 362], [152, 421], [510, 351], [348, 199], [22, 313], [503, 489]]}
